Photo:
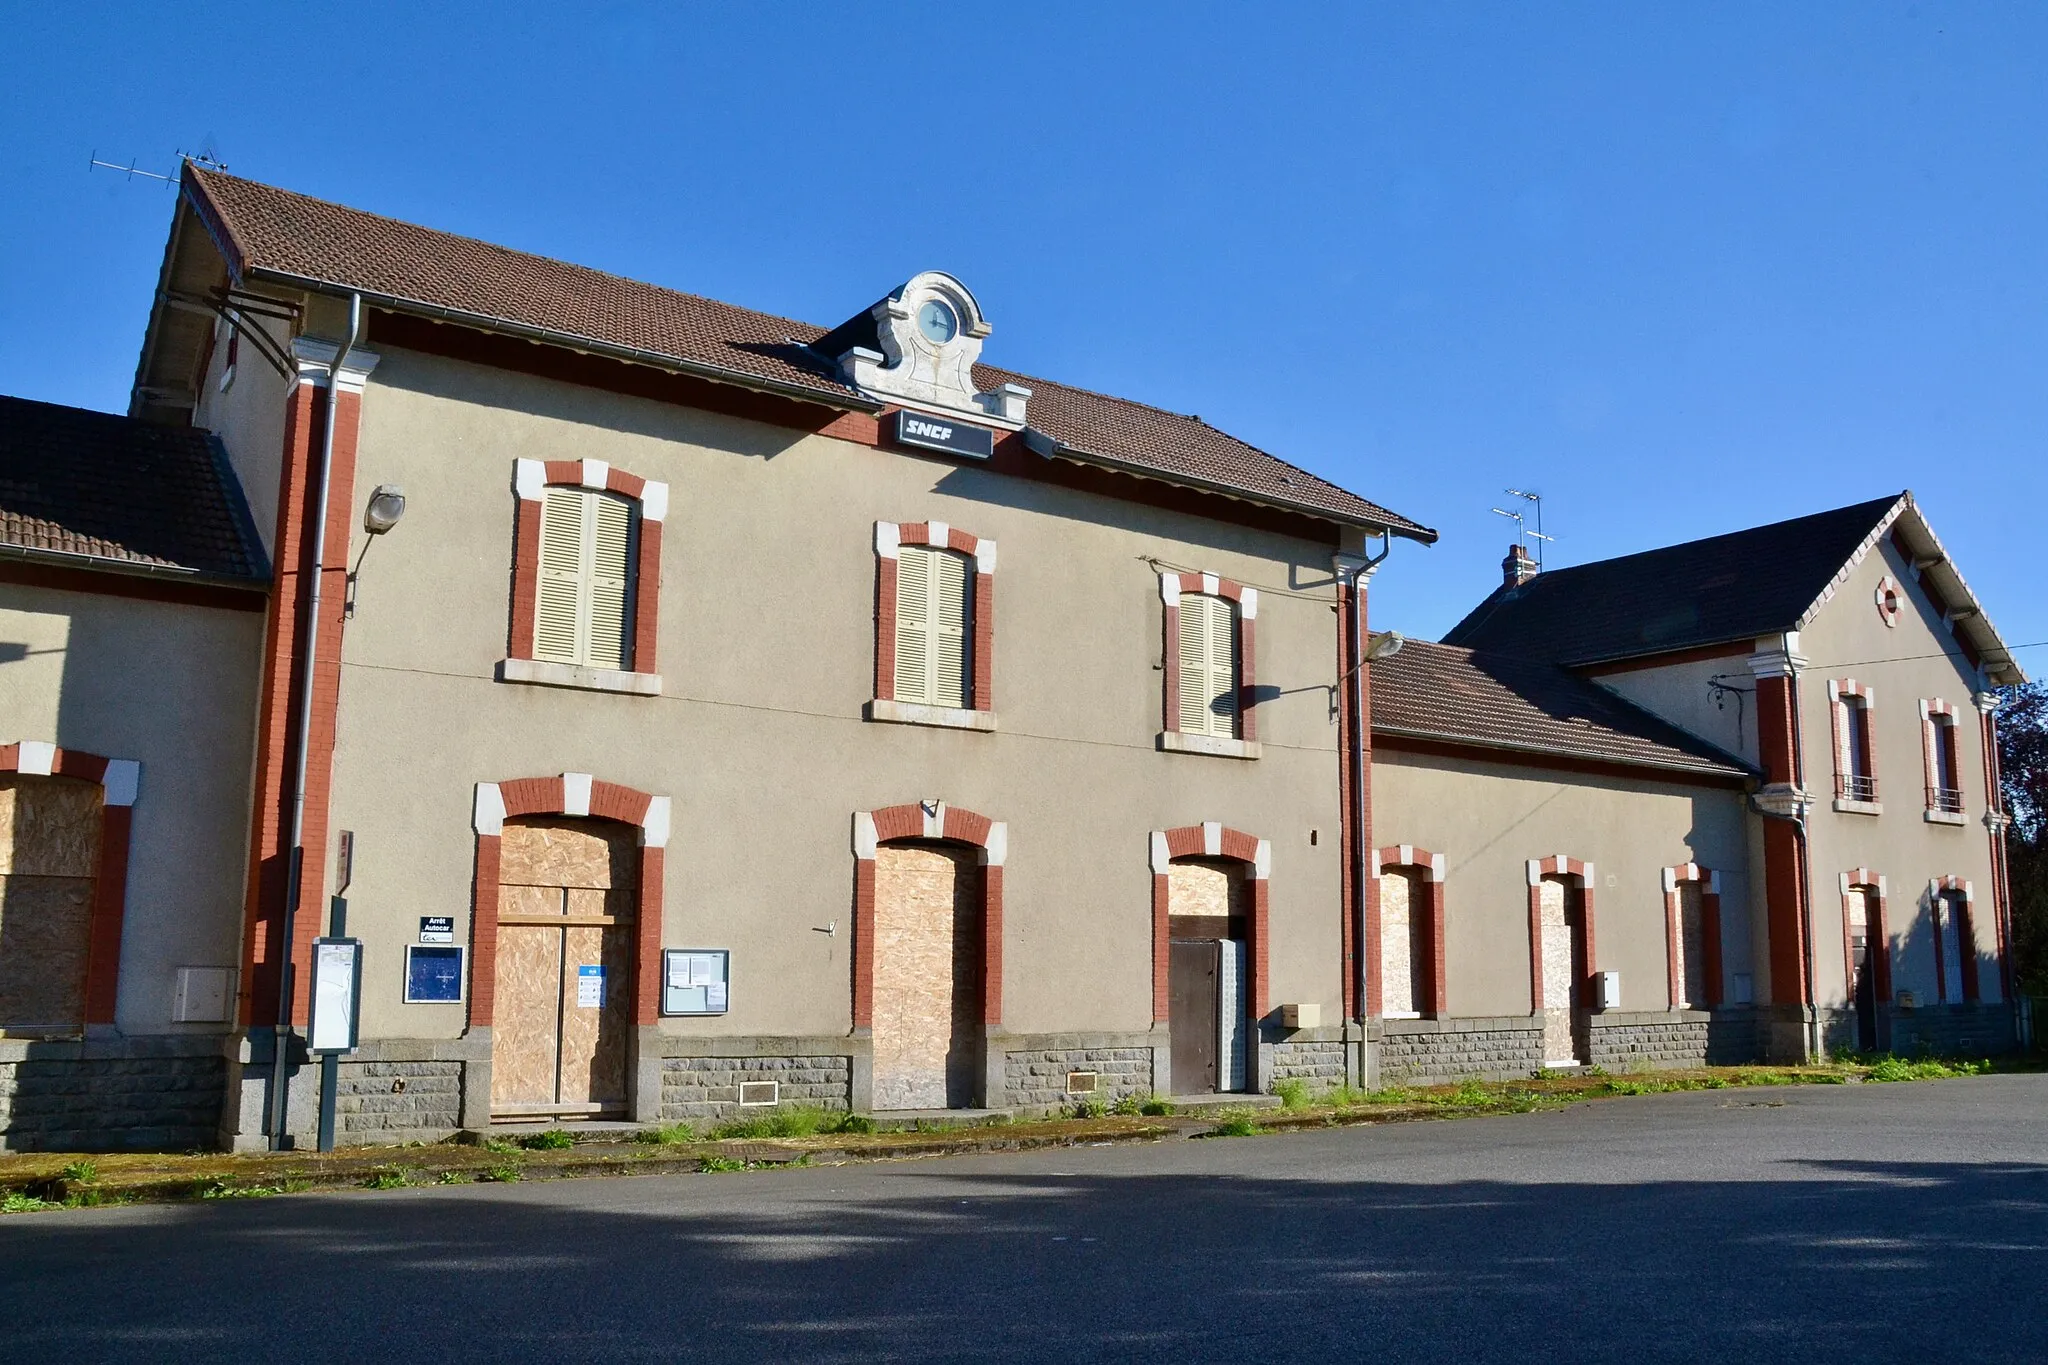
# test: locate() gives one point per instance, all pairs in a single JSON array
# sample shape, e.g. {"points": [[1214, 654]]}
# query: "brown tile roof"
{"points": [[1441, 692], [123, 492], [265, 231]]}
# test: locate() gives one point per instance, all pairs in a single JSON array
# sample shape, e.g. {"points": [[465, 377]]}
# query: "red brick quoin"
{"points": [[1210, 840], [939, 821], [531, 480], [574, 794], [118, 779]]}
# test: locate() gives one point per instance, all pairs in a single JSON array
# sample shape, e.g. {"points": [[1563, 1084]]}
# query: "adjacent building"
{"points": [[683, 708]]}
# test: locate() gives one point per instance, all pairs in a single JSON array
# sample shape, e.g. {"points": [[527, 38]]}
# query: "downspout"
{"points": [[280, 1085], [1361, 823]]}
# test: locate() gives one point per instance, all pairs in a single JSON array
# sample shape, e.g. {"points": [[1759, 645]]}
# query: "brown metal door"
{"points": [[1192, 967]]}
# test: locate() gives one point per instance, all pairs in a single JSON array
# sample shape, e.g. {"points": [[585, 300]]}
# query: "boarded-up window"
{"points": [[1949, 916], [1404, 941], [1690, 948], [1208, 666], [49, 855], [934, 627], [584, 595], [928, 984]]}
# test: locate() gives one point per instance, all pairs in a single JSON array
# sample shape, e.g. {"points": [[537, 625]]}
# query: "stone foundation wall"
{"points": [[709, 1087], [126, 1094], [397, 1101], [1306, 1057], [1037, 1079], [1953, 1031], [1674, 1038], [1429, 1050]]}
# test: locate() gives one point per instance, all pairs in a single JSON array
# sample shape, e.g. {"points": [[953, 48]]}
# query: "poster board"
{"points": [[695, 980], [433, 974], [337, 992]]}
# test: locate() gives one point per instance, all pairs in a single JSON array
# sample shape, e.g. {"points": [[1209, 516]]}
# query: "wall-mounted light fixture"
{"points": [[386, 506]]}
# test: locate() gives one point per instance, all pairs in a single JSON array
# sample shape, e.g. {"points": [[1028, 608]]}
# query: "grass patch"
{"points": [[82, 1171], [1293, 1093], [388, 1180], [1090, 1107], [793, 1121], [499, 1175], [455, 1178], [500, 1146], [17, 1202], [1235, 1122], [1926, 1069], [233, 1189], [553, 1140], [718, 1165], [668, 1135]]}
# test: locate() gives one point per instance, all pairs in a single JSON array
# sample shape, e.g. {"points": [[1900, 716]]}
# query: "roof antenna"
{"points": [[1522, 531], [128, 170]]}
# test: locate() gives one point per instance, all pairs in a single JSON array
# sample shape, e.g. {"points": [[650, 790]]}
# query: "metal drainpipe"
{"points": [[1360, 822], [280, 1076]]}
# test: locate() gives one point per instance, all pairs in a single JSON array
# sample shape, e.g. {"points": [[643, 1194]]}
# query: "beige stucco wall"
{"points": [[1683, 694], [1488, 820], [175, 688], [249, 418], [766, 649], [1915, 659]]}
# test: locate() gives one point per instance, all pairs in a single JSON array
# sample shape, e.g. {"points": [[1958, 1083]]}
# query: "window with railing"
{"points": [[1855, 766], [1944, 762]]}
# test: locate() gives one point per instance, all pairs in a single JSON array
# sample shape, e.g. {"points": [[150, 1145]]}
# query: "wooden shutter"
{"points": [[557, 636], [1208, 666], [913, 624], [585, 590], [934, 627], [611, 546]]}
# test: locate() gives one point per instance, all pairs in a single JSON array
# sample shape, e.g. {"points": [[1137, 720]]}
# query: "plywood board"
{"points": [[1205, 886], [530, 902], [1556, 949], [43, 934], [1400, 898], [927, 976], [1692, 961], [594, 1037], [563, 851], [523, 1029], [49, 826]]}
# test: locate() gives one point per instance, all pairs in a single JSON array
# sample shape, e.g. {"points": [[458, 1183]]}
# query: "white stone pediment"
{"points": [[921, 370]]}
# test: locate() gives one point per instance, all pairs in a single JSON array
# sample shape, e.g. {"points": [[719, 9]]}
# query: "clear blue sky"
{"points": [[1681, 268]]}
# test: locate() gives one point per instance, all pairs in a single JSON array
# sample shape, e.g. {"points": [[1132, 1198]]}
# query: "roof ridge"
{"points": [[1886, 502]]}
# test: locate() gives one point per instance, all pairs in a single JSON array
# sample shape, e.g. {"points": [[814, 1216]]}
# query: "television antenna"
{"points": [[133, 169], [1522, 531]]}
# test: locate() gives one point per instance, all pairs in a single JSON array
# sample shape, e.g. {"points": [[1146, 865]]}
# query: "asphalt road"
{"points": [[1857, 1223]]}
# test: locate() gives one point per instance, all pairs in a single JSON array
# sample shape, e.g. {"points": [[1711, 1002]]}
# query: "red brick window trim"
{"points": [[1862, 881], [571, 794], [1211, 840], [1675, 879], [1425, 929], [1941, 759], [1570, 869], [1850, 704], [531, 480], [1952, 910], [937, 821], [890, 538], [1172, 587], [119, 780]]}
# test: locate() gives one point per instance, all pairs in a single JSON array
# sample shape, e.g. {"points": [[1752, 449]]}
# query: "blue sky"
{"points": [[1680, 268]]}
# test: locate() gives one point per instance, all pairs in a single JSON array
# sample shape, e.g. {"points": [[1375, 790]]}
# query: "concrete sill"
{"points": [[1859, 807], [576, 676], [1945, 817], [917, 713], [1174, 742]]}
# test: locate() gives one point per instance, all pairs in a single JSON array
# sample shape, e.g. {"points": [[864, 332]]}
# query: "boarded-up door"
{"points": [[568, 897], [49, 855], [1691, 948], [1562, 917], [1404, 931], [928, 953], [1862, 968]]}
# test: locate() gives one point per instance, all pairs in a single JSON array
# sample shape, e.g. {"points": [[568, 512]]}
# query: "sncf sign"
{"points": [[940, 433]]}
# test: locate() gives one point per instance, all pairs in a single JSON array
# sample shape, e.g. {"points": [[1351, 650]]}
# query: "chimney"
{"points": [[1517, 568]]}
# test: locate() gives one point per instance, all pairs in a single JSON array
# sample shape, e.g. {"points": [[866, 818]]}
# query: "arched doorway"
{"points": [[1209, 906], [1561, 957]]}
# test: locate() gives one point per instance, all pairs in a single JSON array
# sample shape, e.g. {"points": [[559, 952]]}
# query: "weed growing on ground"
{"points": [[17, 1202], [853, 1123], [82, 1170], [502, 1175], [1090, 1107], [1392, 1094], [1293, 1092], [456, 1177], [1238, 1121], [668, 1135], [1128, 1106], [553, 1140], [229, 1189], [719, 1164], [1157, 1106], [1927, 1069], [388, 1180], [500, 1146]]}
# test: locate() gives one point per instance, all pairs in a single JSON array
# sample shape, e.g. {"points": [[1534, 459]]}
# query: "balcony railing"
{"points": [[1945, 799], [1854, 787]]}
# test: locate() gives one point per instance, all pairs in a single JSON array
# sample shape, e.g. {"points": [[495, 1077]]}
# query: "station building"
{"points": [[687, 709]]}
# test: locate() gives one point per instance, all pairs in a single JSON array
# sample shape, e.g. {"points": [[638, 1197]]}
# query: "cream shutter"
{"points": [[950, 611], [585, 584], [1208, 666], [913, 624], [934, 615], [611, 545], [558, 603]]}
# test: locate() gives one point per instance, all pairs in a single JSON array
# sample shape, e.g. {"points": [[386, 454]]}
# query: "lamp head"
{"points": [[386, 506]]}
